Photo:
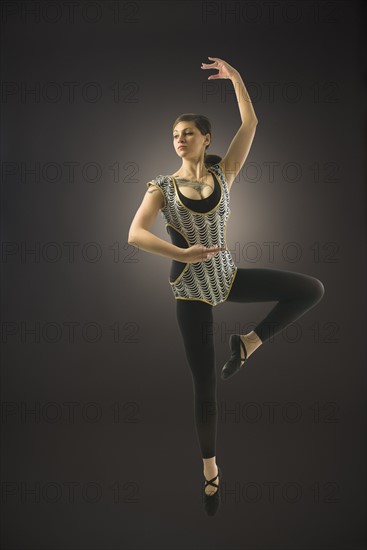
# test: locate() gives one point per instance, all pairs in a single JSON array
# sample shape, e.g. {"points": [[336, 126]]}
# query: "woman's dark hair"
{"points": [[202, 123]]}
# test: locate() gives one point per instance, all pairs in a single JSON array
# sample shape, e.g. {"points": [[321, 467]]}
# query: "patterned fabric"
{"points": [[208, 281]]}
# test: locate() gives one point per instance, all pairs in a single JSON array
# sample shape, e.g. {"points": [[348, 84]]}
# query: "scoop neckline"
{"points": [[197, 212], [215, 181]]}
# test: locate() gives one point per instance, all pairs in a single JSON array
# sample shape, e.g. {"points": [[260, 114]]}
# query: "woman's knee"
{"points": [[316, 289]]}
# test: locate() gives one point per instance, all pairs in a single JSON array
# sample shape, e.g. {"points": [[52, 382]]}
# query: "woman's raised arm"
{"points": [[240, 145]]}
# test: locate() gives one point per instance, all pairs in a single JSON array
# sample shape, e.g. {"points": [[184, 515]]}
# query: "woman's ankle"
{"points": [[210, 467], [251, 341]]}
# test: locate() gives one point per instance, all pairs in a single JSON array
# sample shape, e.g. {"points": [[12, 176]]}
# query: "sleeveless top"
{"points": [[201, 221]]}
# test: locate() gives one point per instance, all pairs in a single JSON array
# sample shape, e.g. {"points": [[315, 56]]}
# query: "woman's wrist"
{"points": [[235, 77], [180, 254]]}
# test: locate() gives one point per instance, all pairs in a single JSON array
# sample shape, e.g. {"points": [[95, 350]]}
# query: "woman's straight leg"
{"points": [[195, 319], [296, 293]]}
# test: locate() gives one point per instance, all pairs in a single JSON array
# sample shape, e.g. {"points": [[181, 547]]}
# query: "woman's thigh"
{"points": [[266, 285], [195, 320]]}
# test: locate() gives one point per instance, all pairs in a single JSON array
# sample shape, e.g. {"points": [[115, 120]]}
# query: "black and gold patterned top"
{"points": [[201, 221]]}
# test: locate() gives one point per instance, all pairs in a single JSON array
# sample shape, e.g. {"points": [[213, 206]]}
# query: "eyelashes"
{"points": [[187, 134]]}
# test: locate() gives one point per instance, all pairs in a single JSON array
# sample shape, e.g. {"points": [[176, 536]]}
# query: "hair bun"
{"points": [[211, 159]]}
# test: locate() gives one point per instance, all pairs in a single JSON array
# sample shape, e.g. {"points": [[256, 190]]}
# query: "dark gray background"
{"points": [[312, 451]]}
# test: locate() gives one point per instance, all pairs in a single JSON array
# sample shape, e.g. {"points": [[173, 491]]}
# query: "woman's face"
{"points": [[188, 140]]}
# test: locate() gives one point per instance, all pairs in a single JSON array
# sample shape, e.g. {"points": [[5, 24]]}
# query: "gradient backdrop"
{"points": [[99, 448]]}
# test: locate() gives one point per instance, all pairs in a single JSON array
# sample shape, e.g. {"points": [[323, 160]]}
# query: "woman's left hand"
{"points": [[225, 70]]}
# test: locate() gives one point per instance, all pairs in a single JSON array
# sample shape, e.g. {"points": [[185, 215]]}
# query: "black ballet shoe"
{"points": [[233, 365], [212, 502]]}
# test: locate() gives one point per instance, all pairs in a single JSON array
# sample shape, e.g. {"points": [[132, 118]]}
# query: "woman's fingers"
{"points": [[213, 65], [206, 253], [215, 248], [215, 61]]}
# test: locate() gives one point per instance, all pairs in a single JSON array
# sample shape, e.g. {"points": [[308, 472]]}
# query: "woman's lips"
{"points": [[181, 147]]}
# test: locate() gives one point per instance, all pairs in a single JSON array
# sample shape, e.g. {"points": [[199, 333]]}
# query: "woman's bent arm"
{"points": [[149, 242], [139, 233]]}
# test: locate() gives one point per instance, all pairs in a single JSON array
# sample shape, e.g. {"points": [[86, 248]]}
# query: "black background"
{"points": [[88, 321]]}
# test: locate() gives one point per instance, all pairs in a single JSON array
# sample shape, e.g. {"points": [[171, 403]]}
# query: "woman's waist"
{"points": [[224, 256], [201, 233], [181, 237]]}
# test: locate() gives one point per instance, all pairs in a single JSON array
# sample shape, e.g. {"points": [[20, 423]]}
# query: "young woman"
{"points": [[195, 204]]}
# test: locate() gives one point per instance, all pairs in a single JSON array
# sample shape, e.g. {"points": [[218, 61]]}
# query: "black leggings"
{"points": [[295, 293]]}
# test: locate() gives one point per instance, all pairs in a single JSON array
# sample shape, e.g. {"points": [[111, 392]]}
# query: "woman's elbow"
{"points": [[132, 235], [131, 239]]}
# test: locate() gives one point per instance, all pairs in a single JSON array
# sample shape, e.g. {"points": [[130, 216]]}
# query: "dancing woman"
{"points": [[195, 205]]}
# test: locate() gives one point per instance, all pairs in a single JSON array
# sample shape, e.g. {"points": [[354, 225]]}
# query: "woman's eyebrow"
{"points": [[188, 128]]}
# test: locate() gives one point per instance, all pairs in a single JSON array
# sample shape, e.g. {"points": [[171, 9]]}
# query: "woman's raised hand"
{"points": [[225, 70], [199, 253]]}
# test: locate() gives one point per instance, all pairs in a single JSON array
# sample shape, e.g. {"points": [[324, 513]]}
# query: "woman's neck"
{"points": [[192, 171]]}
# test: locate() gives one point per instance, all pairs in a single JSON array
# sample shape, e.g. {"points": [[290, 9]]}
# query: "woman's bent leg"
{"points": [[195, 319], [295, 293]]}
